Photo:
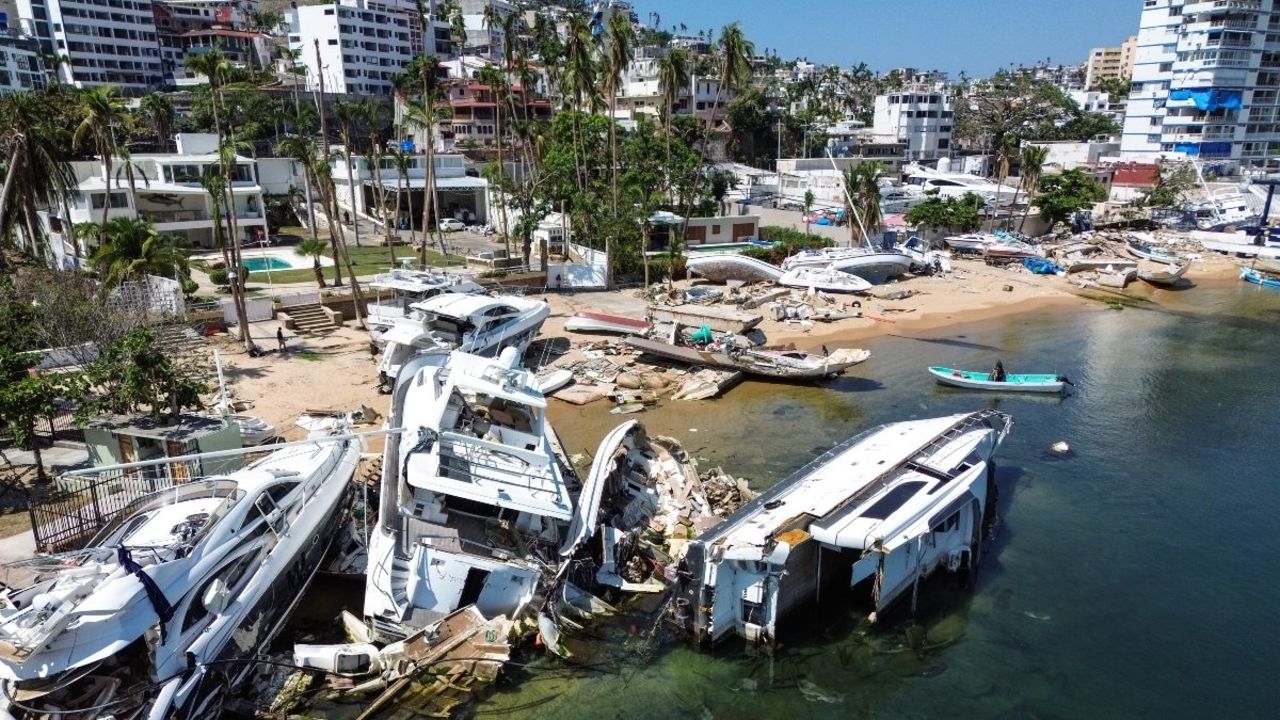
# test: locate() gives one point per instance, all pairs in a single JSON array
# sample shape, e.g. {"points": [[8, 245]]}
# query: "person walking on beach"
{"points": [[280, 338]]}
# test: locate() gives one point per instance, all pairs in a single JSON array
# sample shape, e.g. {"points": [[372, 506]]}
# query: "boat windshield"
{"points": [[209, 500]]}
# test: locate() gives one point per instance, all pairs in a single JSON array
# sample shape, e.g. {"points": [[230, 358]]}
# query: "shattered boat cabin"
{"points": [[885, 508]]}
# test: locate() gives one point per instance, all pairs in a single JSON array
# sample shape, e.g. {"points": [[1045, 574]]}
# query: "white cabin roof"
{"points": [[832, 482]]}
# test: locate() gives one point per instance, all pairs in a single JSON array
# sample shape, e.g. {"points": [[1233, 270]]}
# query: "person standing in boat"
{"points": [[998, 375]]}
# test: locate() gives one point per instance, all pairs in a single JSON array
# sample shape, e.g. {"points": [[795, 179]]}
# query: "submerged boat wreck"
{"points": [[882, 510], [161, 615]]}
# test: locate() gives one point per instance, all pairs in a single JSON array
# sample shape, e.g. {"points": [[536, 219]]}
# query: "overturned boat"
{"points": [[593, 322], [1162, 274], [722, 267], [475, 324], [163, 613], [882, 510]]}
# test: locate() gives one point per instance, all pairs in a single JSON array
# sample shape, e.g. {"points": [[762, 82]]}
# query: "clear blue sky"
{"points": [[977, 36]]}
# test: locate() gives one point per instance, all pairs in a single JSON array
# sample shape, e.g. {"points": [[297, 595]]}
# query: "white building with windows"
{"points": [[106, 42], [363, 44], [167, 191], [921, 118], [1100, 102], [484, 38], [20, 64], [1206, 83]]}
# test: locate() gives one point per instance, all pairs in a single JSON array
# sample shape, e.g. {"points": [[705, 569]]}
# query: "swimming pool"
{"points": [[264, 263]]}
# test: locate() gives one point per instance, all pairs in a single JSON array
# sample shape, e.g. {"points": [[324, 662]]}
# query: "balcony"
{"points": [[174, 216]]}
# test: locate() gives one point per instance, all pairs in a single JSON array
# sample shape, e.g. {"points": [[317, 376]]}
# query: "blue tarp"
{"points": [[1213, 148], [1209, 99], [1040, 266]]}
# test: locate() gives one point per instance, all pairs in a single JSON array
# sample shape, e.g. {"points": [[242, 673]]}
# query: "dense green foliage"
{"points": [[1061, 195], [962, 214], [786, 242]]}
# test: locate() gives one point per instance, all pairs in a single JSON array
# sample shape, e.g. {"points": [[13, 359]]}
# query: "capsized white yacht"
{"points": [[475, 497], [882, 510], [476, 324], [162, 614], [868, 263]]}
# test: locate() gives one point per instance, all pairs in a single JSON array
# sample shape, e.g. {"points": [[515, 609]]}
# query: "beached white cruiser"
{"points": [[161, 615], [397, 290], [476, 324], [885, 509]]}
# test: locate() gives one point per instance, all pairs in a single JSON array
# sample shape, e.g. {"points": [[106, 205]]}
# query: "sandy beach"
{"points": [[337, 372]]}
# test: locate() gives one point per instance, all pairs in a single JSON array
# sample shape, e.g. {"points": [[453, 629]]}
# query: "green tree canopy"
{"points": [[1062, 195], [134, 375]]}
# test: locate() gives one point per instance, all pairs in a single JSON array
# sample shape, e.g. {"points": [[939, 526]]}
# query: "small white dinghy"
{"points": [[972, 380], [824, 279], [1159, 273]]}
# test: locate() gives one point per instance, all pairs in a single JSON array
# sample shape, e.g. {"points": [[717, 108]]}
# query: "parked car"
{"points": [[451, 225]]}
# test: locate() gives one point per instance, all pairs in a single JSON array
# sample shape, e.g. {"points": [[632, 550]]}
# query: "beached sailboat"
{"points": [[974, 380], [161, 614], [1250, 275], [883, 510], [476, 324], [825, 279]]}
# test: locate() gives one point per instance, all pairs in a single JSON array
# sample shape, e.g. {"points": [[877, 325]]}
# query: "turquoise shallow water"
{"points": [[1135, 579]]}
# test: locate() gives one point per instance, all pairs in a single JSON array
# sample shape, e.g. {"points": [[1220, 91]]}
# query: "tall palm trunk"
{"points": [[351, 185], [357, 296], [322, 186], [306, 175], [502, 174], [233, 255]]}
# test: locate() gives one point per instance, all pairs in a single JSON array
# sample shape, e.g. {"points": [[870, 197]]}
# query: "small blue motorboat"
{"points": [[1250, 275]]}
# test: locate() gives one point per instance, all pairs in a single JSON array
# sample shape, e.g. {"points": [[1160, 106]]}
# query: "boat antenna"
{"points": [[866, 240]]}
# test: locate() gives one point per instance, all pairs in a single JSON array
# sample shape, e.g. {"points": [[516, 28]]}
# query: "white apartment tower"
{"points": [[364, 44], [922, 118], [1206, 82], [106, 42]]}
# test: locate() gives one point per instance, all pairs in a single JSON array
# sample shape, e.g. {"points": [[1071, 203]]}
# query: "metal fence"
{"points": [[68, 515]]}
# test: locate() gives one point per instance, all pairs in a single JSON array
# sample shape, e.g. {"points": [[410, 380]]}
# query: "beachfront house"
{"points": [[167, 190], [463, 196]]}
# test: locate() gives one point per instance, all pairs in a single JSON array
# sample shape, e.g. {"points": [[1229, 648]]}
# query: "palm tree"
{"points": [[735, 64], [1033, 159], [401, 159], [132, 248], [458, 29], [862, 199], [101, 110], [425, 70], [1004, 155], [350, 114], [807, 209], [158, 109], [619, 38], [578, 80], [37, 169], [313, 247]]}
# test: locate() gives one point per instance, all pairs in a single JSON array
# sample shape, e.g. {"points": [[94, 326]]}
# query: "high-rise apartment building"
{"points": [[1106, 63], [363, 44], [1206, 82], [105, 42]]}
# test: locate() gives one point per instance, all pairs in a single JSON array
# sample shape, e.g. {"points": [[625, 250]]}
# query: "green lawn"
{"points": [[367, 262]]}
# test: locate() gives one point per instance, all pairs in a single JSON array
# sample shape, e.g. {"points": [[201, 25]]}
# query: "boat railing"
{"points": [[476, 455]]}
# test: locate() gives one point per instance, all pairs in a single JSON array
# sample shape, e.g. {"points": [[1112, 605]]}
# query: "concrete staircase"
{"points": [[310, 318]]}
